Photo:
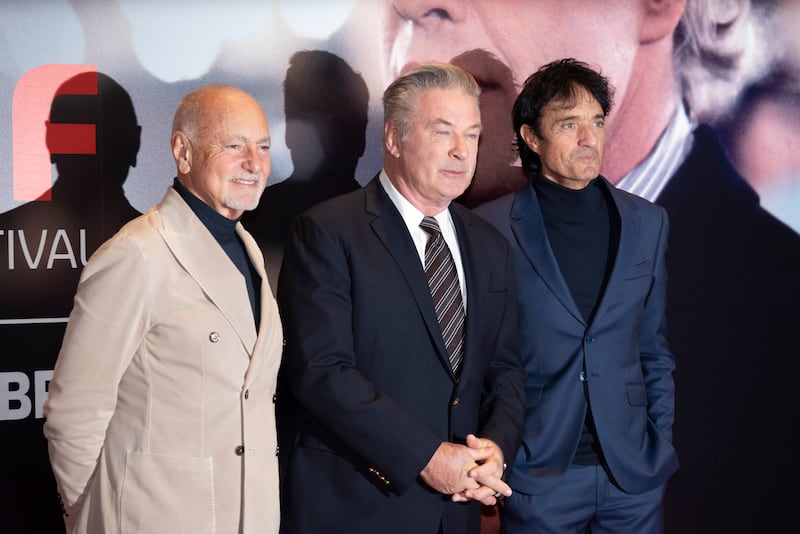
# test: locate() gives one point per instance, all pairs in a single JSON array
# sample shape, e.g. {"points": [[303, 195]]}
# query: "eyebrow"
{"points": [[575, 117], [444, 122], [243, 139]]}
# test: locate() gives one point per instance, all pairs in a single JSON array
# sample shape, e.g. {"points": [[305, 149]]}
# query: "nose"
{"points": [[587, 135], [255, 162], [460, 148], [419, 31], [427, 12]]}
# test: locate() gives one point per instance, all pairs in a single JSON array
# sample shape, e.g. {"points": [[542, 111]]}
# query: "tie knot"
{"points": [[430, 225]]}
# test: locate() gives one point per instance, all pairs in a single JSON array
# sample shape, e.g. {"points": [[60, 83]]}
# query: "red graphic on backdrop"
{"points": [[34, 138]]}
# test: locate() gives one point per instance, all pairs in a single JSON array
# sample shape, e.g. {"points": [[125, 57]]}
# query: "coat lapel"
{"points": [[205, 261], [630, 227], [527, 224], [391, 230], [270, 330]]}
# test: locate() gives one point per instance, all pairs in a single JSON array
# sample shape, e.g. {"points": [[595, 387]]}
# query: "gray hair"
{"points": [[400, 98], [719, 47]]}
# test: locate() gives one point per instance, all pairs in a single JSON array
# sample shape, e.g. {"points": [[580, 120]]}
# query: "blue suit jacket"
{"points": [[624, 353], [366, 362]]}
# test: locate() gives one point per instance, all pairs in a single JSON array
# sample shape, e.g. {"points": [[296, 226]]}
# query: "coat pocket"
{"points": [[172, 494]]}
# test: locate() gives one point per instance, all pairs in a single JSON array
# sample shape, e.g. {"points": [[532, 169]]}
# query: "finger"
{"points": [[480, 455], [490, 467], [483, 494], [459, 497], [495, 484], [475, 442]]}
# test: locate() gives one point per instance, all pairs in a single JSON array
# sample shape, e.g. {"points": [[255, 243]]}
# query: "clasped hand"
{"points": [[468, 472]]}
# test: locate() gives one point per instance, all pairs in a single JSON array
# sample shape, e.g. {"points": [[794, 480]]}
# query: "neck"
{"points": [[643, 112]]}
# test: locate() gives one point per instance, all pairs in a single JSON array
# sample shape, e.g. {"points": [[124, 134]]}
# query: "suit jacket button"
{"points": [[213, 337], [239, 450], [455, 401], [246, 394]]}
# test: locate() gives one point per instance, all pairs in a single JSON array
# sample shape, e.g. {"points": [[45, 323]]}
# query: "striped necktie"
{"points": [[445, 292]]}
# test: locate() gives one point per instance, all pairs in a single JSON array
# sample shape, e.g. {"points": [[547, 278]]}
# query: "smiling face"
{"points": [[434, 163], [225, 159], [570, 140]]}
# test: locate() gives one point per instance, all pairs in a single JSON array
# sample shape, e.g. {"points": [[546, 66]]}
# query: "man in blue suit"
{"points": [[393, 435], [590, 258]]}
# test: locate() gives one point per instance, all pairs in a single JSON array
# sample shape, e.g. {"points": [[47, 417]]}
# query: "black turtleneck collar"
{"points": [[222, 228], [568, 205], [224, 232]]}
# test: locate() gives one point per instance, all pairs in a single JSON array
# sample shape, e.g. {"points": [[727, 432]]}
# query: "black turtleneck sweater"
{"points": [[224, 231], [583, 231]]}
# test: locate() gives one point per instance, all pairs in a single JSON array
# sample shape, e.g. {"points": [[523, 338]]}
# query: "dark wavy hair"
{"points": [[560, 80]]}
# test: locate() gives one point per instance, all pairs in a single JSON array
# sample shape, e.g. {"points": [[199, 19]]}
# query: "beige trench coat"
{"points": [[160, 415]]}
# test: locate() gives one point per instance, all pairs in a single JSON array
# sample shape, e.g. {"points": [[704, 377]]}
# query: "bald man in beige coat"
{"points": [[160, 415]]}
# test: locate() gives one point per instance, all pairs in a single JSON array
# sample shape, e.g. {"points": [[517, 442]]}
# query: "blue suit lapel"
{"points": [[391, 230], [531, 236], [630, 227]]}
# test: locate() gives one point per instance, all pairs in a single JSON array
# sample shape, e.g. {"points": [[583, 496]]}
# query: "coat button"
{"points": [[455, 401], [274, 399], [214, 337], [277, 451], [246, 394], [239, 450], [582, 376], [590, 338]]}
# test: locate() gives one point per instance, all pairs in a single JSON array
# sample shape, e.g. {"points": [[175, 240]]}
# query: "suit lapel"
{"points": [[527, 224], [471, 262], [199, 253], [391, 230], [270, 328], [630, 226]]}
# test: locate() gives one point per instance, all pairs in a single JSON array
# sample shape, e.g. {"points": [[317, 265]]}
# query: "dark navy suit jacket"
{"points": [[622, 357], [365, 360]]}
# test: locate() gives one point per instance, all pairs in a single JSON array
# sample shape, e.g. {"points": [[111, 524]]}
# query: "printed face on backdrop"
{"points": [[434, 163], [226, 162], [502, 42], [571, 140]]}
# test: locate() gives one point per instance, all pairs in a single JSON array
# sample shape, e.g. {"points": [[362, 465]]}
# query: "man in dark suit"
{"points": [[404, 425], [592, 287]]}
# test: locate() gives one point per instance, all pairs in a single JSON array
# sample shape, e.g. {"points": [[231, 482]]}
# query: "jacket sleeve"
{"points": [[503, 400], [104, 329], [658, 362]]}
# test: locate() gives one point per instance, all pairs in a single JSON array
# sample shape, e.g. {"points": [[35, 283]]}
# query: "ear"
{"points": [[391, 138], [661, 17], [182, 152], [530, 138]]}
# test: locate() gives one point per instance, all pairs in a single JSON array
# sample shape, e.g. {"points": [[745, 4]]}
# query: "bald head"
{"points": [[220, 142]]}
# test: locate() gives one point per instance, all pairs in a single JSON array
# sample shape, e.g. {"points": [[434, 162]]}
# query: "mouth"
{"points": [[246, 180]]}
